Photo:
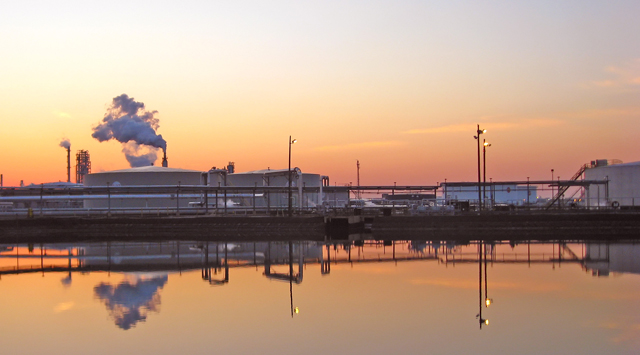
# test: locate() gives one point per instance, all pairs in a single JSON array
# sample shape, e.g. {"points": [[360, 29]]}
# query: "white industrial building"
{"points": [[270, 189], [623, 187], [496, 194]]}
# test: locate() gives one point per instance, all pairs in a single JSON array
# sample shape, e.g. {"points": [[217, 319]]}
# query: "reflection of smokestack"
{"points": [[69, 164], [165, 163]]}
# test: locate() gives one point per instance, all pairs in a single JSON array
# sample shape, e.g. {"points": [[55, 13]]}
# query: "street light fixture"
{"points": [[477, 137], [290, 212]]}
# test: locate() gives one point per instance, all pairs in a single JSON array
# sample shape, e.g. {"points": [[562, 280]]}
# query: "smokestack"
{"points": [[1, 180], [69, 164], [66, 144], [165, 163]]}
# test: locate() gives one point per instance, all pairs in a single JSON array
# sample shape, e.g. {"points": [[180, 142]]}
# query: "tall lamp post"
{"points": [[552, 190], [290, 212], [477, 137], [484, 169]]}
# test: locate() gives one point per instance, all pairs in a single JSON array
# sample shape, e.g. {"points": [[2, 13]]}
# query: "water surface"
{"points": [[405, 297]]}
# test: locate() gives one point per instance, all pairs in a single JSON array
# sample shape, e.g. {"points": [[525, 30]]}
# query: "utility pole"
{"points": [[358, 165]]}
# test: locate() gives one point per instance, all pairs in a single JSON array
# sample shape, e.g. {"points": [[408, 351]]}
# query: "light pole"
{"points": [[290, 212], [552, 190], [484, 168], [477, 137]]}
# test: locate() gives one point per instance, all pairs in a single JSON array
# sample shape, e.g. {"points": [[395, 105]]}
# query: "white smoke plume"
{"points": [[66, 143], [139, 155], [127, 121]]}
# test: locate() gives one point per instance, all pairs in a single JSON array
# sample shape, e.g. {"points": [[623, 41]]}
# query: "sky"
{"points": [[398, 85]]}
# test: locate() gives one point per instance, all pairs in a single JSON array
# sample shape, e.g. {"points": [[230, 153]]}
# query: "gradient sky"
{"points": [[398, 85]]}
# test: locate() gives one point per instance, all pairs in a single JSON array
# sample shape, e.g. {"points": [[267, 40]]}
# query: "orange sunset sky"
{"points": [[398, 85]]}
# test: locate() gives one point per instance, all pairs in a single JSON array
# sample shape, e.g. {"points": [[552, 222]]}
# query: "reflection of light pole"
{"points": [[481, 320], [477, 137], [290, 260], [487, 300], [484, 168], [295, 310], [289, 192]]}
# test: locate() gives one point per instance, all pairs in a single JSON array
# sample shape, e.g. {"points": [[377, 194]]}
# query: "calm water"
{"points": [[410, 297]]}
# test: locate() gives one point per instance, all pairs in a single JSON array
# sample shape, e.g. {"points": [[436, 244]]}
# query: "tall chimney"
{"points": [[165, 163], [69, 164]]}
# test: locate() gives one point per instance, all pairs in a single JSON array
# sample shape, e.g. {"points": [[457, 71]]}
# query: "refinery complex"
{"points": [[601, 184], [148, 189]]}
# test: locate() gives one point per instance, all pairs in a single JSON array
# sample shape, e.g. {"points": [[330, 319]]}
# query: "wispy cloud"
{"points": [[473, 284], [361, 145], [523, 123], [441, 129], [64, 306], [625, 75], [626, 331], [61, 114], [603, 114]]}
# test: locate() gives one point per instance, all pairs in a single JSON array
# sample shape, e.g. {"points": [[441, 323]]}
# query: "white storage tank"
{"points": [[143, 176], [278, 178]]}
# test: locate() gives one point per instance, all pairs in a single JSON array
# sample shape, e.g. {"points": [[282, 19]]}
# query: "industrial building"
{"points": [[512, 194], [154, 189], [623, 183], [299, 183], [256, 190]]}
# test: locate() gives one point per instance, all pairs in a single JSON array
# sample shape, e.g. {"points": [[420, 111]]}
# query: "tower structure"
{"points": [[83, 165]]}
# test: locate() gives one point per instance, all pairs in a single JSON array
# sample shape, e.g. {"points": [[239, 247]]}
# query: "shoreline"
{"points": [[556, 226]]}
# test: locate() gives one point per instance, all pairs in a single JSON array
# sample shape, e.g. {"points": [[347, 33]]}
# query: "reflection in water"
{"points": [[603, 258], [129, 302], [358, 296], [482, 261]]}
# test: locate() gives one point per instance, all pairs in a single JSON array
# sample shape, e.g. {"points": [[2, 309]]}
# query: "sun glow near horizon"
{"points": [[398, 86]]}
